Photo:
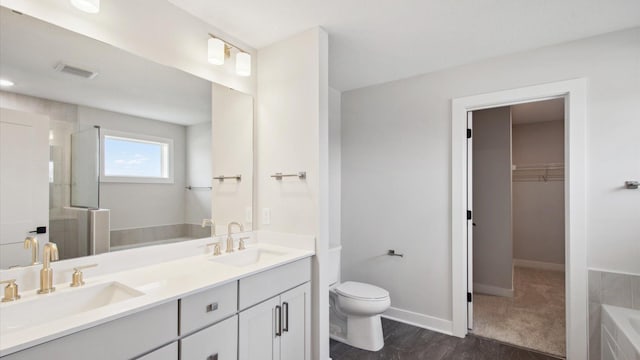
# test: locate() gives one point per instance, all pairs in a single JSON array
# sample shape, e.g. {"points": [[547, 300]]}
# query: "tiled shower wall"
{"points": [[611, 289]]}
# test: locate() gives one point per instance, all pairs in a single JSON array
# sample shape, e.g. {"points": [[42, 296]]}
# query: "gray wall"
{"points": [[492, 233], [396, 165], [198, 173], [141, 205], [538, 207]]}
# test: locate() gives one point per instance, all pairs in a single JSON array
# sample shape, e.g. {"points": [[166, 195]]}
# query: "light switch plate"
{"points": [[248, 214]]}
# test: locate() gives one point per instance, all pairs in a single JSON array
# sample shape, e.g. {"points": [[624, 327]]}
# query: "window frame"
{"points": [[168, 159]]}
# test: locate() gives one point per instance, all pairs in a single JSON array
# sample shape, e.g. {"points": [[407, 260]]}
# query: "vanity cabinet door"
{"points": [[296, 314], [217, 342], [279, 328], [259, 329]]}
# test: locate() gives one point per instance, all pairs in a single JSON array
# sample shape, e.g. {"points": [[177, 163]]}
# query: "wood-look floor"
{"points": [[406, 342]]}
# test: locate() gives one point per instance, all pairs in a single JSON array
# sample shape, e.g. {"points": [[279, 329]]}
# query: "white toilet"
{"points": [[355, 309]]}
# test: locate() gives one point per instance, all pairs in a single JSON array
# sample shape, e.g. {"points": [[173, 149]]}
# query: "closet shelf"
{"points": [[538, 172]]}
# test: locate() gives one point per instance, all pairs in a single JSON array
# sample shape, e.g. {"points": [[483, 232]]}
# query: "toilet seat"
{"points": [[361, 291]]}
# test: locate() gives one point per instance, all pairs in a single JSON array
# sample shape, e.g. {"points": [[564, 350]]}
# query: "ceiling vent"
{"points": [[76, 71]]}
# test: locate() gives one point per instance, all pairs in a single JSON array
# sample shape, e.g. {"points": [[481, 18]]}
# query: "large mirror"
{"points": [[101, 150]]}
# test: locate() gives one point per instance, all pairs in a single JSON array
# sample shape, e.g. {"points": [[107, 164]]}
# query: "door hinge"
{"points": [[468, 133], [469, 297], [469, 214]]}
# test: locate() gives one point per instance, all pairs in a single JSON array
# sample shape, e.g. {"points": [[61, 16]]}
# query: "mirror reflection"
{"points": [[102, 150]]}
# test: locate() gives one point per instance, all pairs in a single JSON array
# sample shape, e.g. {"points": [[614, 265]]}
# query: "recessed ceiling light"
{"points": [[89, 6], [6, 83]]}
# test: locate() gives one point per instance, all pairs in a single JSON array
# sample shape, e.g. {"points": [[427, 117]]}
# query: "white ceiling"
{"points": [[375, 41], [30, 49], [539, 111]]}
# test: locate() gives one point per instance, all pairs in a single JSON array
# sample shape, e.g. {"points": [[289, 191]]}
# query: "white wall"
{"points": [[335, 166], [538, 207], [141, 205], [155, 30], [396, 173], [232, 131], [492, 229], [292, 135], [198, 173]]}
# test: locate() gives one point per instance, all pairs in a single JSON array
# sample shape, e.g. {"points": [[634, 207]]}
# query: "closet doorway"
{"points": [[517, 176], [574, 93]]}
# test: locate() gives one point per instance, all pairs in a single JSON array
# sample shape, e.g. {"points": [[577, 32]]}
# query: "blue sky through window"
{"points": [[123, 157]]}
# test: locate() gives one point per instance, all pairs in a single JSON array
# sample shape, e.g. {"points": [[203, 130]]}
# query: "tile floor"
{"points": [[406, 342]]}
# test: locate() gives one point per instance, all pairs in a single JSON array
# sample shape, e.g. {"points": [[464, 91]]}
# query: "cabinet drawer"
{"points": [[207, 307], [259, 287], [123, 338], [169, 352], [217, 342]]}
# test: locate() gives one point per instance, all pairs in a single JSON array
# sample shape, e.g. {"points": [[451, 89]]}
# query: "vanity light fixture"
{"points": [[218, 50], [6, 83], [88, 6]]}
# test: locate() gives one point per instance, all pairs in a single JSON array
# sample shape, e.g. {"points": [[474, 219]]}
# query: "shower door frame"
{"points": [[575, 94]]}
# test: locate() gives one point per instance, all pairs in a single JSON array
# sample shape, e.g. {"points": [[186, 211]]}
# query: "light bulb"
{"points": [[215, 51], [243, 64]]}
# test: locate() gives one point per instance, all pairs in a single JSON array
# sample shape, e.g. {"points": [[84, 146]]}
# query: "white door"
{"points": [[470, 220], [24, 183], [295, 343], [259, 331]]}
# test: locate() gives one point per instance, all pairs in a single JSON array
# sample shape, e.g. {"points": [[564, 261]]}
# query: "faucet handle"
{"points": [[241, 245], [77, 276], [10, 291], [216, 248]]}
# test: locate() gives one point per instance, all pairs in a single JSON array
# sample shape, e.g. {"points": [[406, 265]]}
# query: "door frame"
{"points": [[575, 94]]}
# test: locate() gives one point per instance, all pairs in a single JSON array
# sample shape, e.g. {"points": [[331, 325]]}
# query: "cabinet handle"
{"points": [[213, 357], [278, 320], [285, 307], [212, 307]]}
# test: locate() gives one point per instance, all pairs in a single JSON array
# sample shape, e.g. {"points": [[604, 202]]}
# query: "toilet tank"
{"points": [[334, 264]]}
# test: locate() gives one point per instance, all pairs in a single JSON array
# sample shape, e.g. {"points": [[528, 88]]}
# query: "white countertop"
{"points": [[160, 283]]}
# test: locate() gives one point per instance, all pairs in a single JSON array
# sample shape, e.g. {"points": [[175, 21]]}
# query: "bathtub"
{"points": [[620, 333]]}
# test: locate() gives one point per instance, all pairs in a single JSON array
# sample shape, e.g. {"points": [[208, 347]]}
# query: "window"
{"points": [[136, 158]]}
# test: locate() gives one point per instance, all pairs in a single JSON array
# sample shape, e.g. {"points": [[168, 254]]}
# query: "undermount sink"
{"points": [[71, 301], [247, 257]]}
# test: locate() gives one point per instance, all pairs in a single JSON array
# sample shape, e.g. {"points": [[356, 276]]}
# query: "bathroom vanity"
{"points": [[250, 304]]}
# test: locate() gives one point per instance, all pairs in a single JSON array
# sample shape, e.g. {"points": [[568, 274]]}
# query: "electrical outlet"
{"points": [[266, 216], [248, 214]]}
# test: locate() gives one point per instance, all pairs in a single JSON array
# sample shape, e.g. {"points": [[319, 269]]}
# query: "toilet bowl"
{"points": [[355, 310]]}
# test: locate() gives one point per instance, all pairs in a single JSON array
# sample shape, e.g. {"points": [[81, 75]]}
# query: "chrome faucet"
{"points": [[32, 242], [229, 233], [50, 253]]}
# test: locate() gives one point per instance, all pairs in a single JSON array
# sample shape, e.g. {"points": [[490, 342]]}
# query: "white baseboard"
{"points": [[492, 290], [538, 265], [419, 320]]}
